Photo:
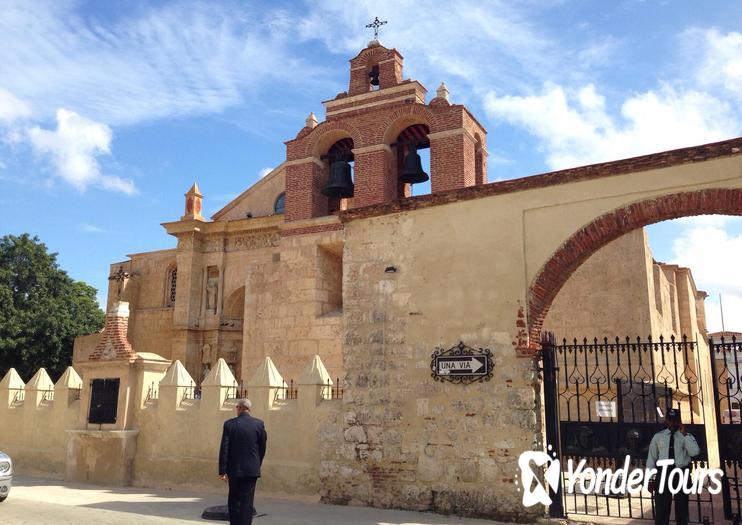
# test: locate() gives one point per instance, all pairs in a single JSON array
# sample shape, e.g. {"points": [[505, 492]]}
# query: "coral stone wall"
{"points": [[403, 439], [291, 310]]}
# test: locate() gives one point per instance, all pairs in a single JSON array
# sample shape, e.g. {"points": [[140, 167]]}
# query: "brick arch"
{"points": [[326, 134], [370, 54], [398, 120], [610, 226]]}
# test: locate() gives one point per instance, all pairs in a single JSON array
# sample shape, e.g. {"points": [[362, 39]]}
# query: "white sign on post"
{"points": [[606, 408]]}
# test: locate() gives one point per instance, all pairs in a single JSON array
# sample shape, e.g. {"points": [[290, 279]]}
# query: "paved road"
{"points": [[39, 502]]}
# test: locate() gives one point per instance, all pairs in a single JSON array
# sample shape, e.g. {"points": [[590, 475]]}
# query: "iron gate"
{"points": [[606, 399], [726, 364]]}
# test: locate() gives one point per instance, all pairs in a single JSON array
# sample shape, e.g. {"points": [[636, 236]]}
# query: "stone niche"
{"points": [[211, 292]]}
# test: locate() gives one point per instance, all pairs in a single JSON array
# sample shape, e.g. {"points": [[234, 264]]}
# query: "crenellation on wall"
{"points": [[177, 430], [34, 420], [293, 426]]}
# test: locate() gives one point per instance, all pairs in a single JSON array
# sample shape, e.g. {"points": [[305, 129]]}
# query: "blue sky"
{"points": [[110, 110]]}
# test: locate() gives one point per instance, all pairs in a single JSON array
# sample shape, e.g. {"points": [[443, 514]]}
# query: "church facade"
{"points": [[264, 277]]}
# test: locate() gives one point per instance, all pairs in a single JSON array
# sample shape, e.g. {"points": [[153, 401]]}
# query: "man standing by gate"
{"points": [[674, 443]]}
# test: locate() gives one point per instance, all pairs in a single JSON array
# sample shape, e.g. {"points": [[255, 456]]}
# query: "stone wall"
{"points": [[622, 291], [177, 433], [403, 439], [84, 346], [151, 330], [293, 309], [33, 420], [607, 296]]}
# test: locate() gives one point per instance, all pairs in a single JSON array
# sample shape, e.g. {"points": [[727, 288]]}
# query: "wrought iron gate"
{"points": [[606, 399], [726, 364]]}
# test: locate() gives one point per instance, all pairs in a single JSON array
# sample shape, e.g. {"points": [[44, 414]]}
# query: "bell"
{"points": [[339, 183], [412, 172], [374, 75]]}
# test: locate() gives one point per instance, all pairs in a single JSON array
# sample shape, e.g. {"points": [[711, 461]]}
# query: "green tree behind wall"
{"points": [[42, 309]]}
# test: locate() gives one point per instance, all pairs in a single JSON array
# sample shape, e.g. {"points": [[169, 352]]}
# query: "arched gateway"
{"points": [[610, 226]]}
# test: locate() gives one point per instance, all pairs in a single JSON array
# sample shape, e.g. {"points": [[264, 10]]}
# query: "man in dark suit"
{"points": [[240, 456]]}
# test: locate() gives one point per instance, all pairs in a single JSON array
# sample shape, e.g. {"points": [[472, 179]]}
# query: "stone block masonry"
{"points": [[402, 439]]}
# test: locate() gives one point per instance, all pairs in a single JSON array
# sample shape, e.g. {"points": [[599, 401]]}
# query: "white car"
{"points": [[6, 475]]}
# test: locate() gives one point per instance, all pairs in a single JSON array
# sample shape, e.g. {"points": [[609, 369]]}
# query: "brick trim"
{"points": [[304, 160], [664, 159], [408, 98], [451, 133], [610, 226], [407, 88], [374, 147], [114, 336]]}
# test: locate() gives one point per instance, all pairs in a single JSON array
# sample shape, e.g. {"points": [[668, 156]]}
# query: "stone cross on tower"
{"points": [[376, 24]]}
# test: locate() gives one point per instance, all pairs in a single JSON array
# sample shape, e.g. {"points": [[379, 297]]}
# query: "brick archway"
{"points": [[606, 228]]}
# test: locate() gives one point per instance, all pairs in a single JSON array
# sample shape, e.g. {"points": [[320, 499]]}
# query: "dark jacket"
{"points": [[243, 447]]}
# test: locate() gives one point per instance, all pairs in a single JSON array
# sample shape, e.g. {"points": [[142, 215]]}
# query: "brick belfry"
{"points": [[374, 123]]}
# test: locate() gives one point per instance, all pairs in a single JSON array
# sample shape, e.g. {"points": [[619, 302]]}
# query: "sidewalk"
{"points": [[40, 502]]}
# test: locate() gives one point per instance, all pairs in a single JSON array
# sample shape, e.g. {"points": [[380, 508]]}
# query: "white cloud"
{"points": [[732, 305], [468, 43], [11, 107], [183, 58], [713, 253], [265, 171], [707, 220], [720, 61], [91, 228], [574, 127], [73, 149]]}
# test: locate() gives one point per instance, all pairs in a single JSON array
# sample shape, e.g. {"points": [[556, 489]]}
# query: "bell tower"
{"points": [[365, 152]]}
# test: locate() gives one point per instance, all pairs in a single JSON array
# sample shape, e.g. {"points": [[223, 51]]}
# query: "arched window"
{"points": [[338, 190], [280, 204], [414, 137], [373, 78], [171, 282]]}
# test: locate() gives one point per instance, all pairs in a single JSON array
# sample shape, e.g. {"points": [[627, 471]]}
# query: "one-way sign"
{"points": [[464, 365], [461, 364]]}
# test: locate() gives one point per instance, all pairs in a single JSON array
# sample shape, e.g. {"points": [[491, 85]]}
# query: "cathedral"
{"points": [[430, 310], [264, 276]]}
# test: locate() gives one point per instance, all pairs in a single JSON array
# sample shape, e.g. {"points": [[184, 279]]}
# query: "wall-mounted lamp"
{"points": [[390, 269]]}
